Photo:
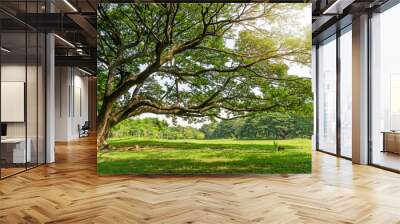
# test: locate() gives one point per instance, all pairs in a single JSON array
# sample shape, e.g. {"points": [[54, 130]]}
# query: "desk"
{"points": [[391, 141], [13, 150]]}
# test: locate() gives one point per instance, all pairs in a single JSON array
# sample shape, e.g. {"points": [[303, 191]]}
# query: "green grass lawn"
{"points": [[205, 156]]}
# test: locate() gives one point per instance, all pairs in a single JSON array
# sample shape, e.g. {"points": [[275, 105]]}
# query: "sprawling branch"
{"points": [[172, 59]]}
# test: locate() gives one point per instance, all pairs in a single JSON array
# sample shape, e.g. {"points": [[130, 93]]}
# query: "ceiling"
{"points": [[73, 22], [329, 14]]}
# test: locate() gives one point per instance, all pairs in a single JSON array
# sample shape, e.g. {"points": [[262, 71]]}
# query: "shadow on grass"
{"points": [[161, 157], [192, 145], [249, 164]]}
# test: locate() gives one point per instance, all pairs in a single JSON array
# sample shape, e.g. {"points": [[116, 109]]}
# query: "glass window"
{"points": [[385, 89], [327, 95], [346, 92]]}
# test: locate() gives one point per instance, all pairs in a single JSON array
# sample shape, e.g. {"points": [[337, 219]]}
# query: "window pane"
{"points": [[346, 93], [327, 96], [385, 84]]}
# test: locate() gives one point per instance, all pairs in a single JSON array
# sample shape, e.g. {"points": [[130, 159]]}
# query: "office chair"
{"points": [[84, 130]]}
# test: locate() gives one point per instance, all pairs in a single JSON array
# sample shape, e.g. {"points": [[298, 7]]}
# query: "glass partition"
{"points": [[41, 96], [22, 101], [327, 95], [13, 94], [32, 98]]}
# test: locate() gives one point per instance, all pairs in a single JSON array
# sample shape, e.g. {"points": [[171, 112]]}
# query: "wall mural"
{"points": [[204, 88]]}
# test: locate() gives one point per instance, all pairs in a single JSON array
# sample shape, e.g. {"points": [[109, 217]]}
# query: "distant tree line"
{"points": [[276, 125], [272, 125], [154, 128]]}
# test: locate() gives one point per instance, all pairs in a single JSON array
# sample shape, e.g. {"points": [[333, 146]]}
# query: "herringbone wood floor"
{"points": [[70, 191]]}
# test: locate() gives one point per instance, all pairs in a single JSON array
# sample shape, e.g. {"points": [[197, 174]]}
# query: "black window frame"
{"points": [[337, 30]]}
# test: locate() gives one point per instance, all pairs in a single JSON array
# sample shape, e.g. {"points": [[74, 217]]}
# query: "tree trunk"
{"points": [[104, 124], [102, 134]]}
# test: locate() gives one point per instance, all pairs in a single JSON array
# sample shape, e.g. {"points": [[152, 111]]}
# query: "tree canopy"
{"points": [[199, 61]]}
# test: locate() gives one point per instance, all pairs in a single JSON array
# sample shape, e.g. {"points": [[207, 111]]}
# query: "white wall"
{"points": [[71, 102], [16, 73], [80, 96], [12, 73], [61, 106], [33, 126]]}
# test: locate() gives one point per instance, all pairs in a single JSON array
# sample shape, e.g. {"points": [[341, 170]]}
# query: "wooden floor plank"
{"points": [[70, 191]]}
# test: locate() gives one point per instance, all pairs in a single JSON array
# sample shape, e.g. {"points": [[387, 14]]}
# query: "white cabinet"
{"points": [[18, 148]]}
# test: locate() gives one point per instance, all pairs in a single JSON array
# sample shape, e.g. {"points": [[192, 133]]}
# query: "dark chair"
{"points": [[84, 130]]}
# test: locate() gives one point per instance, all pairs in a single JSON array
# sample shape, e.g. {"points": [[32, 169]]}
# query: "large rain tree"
{"points": [[198, 61]]}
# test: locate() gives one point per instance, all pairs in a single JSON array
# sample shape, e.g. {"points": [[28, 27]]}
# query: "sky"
{"points": [[294, 69], [303, 71]]}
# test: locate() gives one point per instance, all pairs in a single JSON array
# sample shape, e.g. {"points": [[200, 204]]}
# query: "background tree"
{"points": [[153, 128], [266, 125], [271, 125], [198, 61]]}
